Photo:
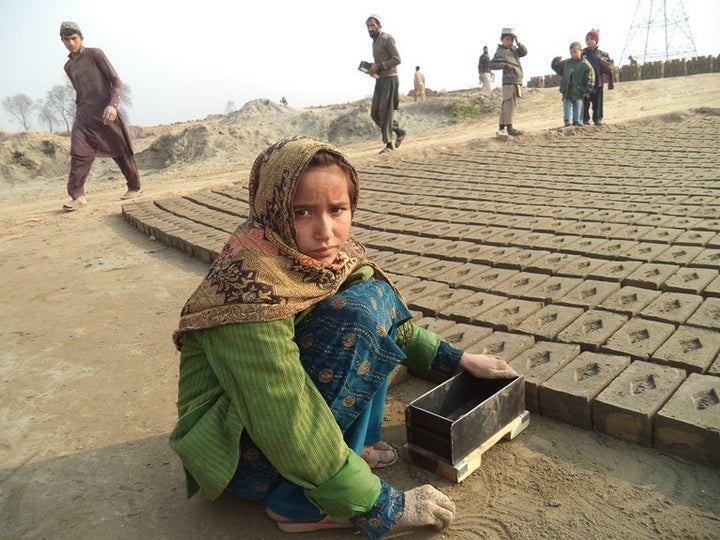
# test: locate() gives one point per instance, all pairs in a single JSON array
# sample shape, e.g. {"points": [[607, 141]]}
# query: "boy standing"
{"points": [[596, 57], [507, 57], [577, 77], [98, 129]]}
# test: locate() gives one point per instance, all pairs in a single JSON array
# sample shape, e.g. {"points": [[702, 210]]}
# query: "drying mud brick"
{"points": [[689, 424], [538, 364], [662, 234], [436, 269], [672, 307], [650, 275], [614, 270], [690, 280], [639, 338], [644, 252], [592, 329], [568, 395], [487, 281], [695, 238], [708, 258], [629, 300], [555, 287], [503, 345], [590, 293], [553, 263], [690, 348], [463, 335], [520, 283], [462, 273], [707, 315], [469, 308], [626, 408], [678, 255], [713, 288], [421, 288], [549, 321], [581, 267], [509, 314], [433, 304], [403, 283], [434, 324]]}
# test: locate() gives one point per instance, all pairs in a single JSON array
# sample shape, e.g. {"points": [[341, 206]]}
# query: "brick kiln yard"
{"points": [[595, 274]]}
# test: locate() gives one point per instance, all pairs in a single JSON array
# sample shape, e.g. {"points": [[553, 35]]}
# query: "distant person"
{"points": [[419, 84], [386, 97], [284, 101], [576, 80], [484, 72], [98, 129], [634, 69], [507, 57], [286, 350], [600, 62]]}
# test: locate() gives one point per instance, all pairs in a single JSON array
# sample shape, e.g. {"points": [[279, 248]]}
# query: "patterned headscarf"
{"points": [[260, 275]]}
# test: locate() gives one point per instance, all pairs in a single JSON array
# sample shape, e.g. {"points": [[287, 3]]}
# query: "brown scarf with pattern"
{"points": [[260, 275]]}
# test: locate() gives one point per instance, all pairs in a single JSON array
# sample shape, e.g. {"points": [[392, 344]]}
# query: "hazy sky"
{"points": [[186, 59]]}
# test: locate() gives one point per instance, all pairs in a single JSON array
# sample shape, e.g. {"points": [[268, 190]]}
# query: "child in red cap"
{"points": [[594, 99]]}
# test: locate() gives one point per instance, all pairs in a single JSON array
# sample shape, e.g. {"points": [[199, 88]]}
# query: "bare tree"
{"points": [[230, 107], [126, 102], [46, 115], [61, 100], [21, 108]]}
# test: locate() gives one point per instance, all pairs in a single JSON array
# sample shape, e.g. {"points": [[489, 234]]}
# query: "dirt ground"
{"points": [[88, 377]]}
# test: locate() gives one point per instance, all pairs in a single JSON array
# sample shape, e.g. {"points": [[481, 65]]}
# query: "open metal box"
{"points": [[459, 416]]}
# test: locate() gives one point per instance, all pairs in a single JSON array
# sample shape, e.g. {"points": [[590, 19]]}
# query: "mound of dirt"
{"points": [[33, 155], [254, 109], [189, 146]]}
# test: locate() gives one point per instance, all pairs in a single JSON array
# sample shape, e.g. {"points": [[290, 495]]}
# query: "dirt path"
{"points": [[88, 382]]}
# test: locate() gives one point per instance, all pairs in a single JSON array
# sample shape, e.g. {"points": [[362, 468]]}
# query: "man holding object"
{"points": [[98, 129], [385, 99]]}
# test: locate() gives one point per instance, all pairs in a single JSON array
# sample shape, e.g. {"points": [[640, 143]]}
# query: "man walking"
{"points": [[484, 71], [419, 84], [385, 99], [98, 129]]}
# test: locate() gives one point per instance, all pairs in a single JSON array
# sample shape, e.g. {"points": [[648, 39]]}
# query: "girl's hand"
{"points": [[485, 366]]}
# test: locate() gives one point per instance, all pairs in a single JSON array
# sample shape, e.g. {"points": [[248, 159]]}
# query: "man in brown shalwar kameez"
{"points": [[98, 129]]}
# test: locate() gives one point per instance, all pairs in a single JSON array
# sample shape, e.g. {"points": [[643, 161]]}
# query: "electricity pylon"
{"points": [[660, 30]]}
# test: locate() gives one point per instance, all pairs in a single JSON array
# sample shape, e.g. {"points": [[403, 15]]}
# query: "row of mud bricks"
{"points": [[678, 67], [574, 359], [603, 292]]}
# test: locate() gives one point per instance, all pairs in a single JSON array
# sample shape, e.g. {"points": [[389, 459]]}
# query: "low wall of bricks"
{"points": [[649, 70]]}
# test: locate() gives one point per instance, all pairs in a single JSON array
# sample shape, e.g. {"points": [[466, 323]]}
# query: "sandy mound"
{"points": [[239, 136], [33, 155]]}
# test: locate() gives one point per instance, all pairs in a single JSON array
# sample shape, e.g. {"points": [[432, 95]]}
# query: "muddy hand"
{"points": [[486, 366], [425, 505]]}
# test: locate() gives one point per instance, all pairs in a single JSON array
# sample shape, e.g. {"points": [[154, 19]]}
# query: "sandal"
{"points": [[379, 455], [288, 526]]}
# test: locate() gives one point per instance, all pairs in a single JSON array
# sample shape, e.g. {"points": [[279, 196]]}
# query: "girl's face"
{"points": [[322, 212]]}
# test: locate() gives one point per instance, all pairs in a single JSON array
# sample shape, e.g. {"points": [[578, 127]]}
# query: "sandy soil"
{"points": [[88, 377]]}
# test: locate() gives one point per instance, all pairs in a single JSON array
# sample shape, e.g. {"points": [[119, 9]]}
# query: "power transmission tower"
{"points": [[660, 30]]}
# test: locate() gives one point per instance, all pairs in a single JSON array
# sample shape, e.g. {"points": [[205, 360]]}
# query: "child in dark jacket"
{"points": [[601, 63], [577, 79], [507, 57]]}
